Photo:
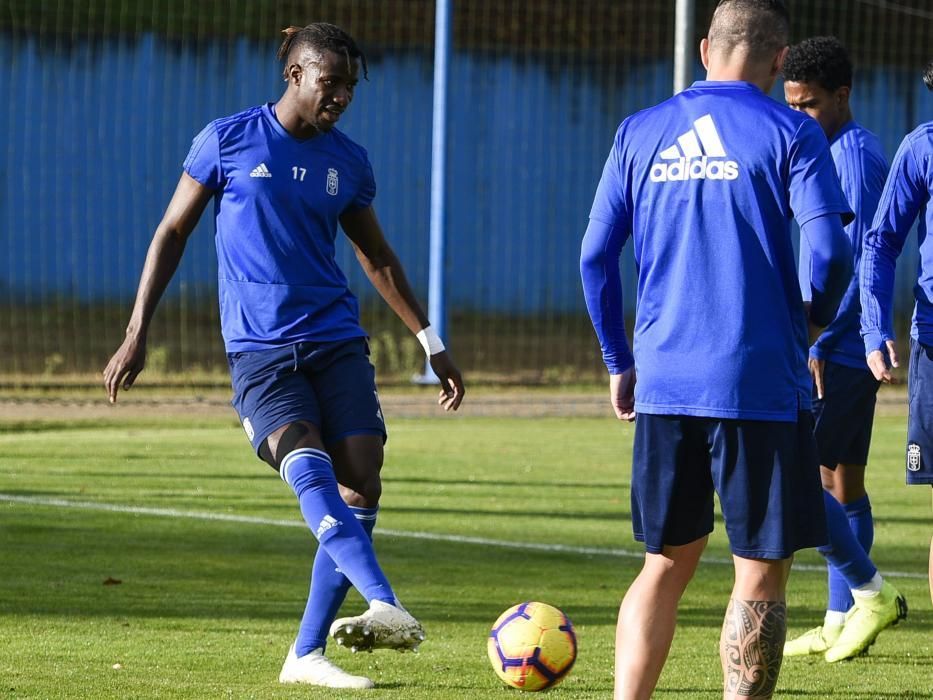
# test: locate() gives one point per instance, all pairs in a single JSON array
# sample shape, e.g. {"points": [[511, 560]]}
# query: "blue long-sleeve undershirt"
{"points": [[602, 289], [906, 196], [831, 266]]}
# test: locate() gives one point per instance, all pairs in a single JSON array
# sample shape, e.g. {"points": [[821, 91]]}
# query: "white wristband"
{"points": [[430, 341]]}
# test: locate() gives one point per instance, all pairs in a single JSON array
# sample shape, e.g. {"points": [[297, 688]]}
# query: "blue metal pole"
{"points": [[437, 304]]}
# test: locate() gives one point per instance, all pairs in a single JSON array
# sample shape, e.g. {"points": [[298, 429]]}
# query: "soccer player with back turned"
{"points": [[282, 177], [818, 81], [907, 196], [706, 183]]}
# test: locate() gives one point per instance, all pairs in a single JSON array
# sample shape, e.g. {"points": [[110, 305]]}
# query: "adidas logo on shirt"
{"points": [[327, 523], [697, 155], [260, 171]]}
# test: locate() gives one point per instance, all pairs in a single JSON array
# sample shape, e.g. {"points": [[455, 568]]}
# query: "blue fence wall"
{"points": [[96, 133]]}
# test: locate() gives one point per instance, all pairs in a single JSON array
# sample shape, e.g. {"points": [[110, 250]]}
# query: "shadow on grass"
{"points": [[782, 691], [512, 513], [263, 473], [523, 484]]}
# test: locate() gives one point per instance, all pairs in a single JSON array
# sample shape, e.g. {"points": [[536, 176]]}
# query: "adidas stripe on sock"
{"points": [[311, 475]]}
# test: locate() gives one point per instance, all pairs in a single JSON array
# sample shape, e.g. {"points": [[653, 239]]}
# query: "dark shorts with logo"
{"points": [[765, 473], [920, 420], [843, 418], [331, 385]]}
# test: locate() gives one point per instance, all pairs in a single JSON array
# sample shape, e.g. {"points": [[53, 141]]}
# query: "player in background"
{"points": [[281, 177], [818, 81], [907, 194], [706, 183]]}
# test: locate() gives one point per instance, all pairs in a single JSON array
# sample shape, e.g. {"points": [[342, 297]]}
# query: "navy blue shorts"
{"points": [[920, 421], [843, 418], [331, 385], [765, 473]]}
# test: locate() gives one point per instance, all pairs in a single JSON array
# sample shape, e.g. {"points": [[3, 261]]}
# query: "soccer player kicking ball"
{"points": [[907, 195], [706, 183], [282, 177], [818, 81]]}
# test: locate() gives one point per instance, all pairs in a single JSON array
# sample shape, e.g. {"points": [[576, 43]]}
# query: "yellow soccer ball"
{"points": [[532, 646]]}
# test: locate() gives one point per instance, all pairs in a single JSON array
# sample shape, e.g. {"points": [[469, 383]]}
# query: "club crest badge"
{"points": [[248, 427], [332, 182], [913, 457]]}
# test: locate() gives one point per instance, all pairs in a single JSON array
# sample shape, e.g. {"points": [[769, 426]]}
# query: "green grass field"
{"points": [[206, 608]]}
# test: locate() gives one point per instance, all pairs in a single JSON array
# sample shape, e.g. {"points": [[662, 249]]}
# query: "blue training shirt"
{"points": [[862, 169], [706, 184], [277, 204], [906, 196]]}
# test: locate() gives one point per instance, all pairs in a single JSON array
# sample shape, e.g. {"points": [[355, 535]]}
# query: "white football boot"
{"points": [[383, 626], [317, 669]]}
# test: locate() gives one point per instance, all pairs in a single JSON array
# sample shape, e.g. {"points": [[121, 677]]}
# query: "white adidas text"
{"points": [[702, 168]]}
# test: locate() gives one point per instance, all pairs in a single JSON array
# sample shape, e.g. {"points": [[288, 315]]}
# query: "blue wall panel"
{"points": [[96, 134]]}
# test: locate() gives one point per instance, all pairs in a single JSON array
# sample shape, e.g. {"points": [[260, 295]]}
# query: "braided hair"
{"points": [[928, 76], [318, 36]]}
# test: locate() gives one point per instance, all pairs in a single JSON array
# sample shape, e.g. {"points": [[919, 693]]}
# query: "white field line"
{"points": [[404, 534]]}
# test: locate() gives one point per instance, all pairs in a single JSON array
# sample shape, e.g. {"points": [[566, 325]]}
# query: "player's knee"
{"points": [[761, 579], [675, 567], [363, 493]]}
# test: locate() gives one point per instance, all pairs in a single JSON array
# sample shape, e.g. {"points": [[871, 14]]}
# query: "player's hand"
{"points": [[622, 394], [816, 367], [878, 366], [451, 394], [125, 365]]}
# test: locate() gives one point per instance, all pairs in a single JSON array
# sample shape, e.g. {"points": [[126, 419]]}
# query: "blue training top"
{"points": [[277, 205], [906, 196], [862, 168], [706, 183]]}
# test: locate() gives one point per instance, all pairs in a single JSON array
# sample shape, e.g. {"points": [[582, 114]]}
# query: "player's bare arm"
{"points": [[384, 270], [168, 243]]}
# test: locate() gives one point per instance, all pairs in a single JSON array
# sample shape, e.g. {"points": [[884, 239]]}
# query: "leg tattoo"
{"points": [[752, 646]]}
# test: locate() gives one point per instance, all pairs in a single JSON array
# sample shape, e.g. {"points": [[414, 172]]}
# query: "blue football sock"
{"points": [[861, 522], [328, 589], [839, 598], [844, 551], [863, 526], [310, 474]]}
